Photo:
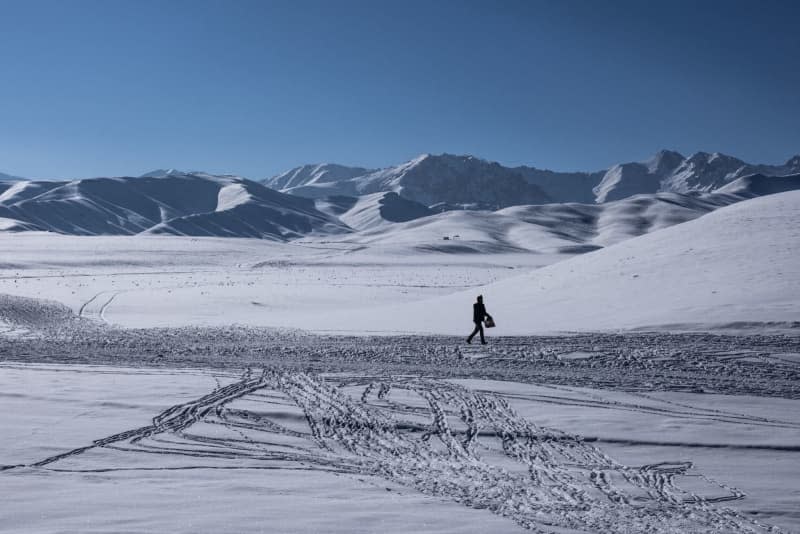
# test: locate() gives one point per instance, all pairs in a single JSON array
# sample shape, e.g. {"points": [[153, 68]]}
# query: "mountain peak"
{"points": [[161, 173], [709, 157], [794, 161], [664, 161]]}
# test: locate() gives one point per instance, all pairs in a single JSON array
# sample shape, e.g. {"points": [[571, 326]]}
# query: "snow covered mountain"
{"points": [[199, 204], [432, 203], [445, 182], [316, 180], [176, 204], [563, 186], [670, 171]]}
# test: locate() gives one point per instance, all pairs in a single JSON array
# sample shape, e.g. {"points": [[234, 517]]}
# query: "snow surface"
{"points": [[204, 450], [52, 409]]}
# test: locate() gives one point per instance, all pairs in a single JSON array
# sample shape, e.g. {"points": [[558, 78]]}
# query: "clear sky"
{"points": [[110, 88]]}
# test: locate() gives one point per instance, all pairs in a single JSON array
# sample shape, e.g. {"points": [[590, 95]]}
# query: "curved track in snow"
{"points": [[440, 439]]}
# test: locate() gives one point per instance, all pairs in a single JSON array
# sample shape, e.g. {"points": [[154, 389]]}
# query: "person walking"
{"points": [[478, 315]]}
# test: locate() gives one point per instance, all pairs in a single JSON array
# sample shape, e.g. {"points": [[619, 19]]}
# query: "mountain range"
{"points": [[448, 181], [442, 203]]}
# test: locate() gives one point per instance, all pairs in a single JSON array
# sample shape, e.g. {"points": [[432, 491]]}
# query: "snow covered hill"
{"points": [[548, 228], [555, 228], [735, 266], [177, 204], [380, 209]]}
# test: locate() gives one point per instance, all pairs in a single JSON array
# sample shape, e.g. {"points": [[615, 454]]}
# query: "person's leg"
{"points": [[475, 331], [480, 326]]}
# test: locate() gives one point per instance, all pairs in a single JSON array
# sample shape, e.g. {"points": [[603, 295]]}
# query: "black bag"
{"points": [[489, 322]]}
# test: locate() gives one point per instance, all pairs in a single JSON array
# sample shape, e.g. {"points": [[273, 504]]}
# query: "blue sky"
{"points": [[111, 88]]}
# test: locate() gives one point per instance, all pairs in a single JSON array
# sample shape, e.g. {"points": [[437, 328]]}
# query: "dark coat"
{"points": [[478, 312]]}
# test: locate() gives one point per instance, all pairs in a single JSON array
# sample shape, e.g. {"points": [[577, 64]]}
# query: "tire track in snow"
{"points": [[426, 434], [94, 308]]}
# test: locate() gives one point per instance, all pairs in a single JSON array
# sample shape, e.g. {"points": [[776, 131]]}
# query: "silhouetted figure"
{"points": [[478, 315]]}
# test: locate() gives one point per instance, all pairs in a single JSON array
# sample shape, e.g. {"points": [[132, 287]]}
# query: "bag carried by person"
{"points": [[489, 322]]}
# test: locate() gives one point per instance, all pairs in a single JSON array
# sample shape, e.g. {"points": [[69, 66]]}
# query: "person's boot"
{"points": [[469, 341]]}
